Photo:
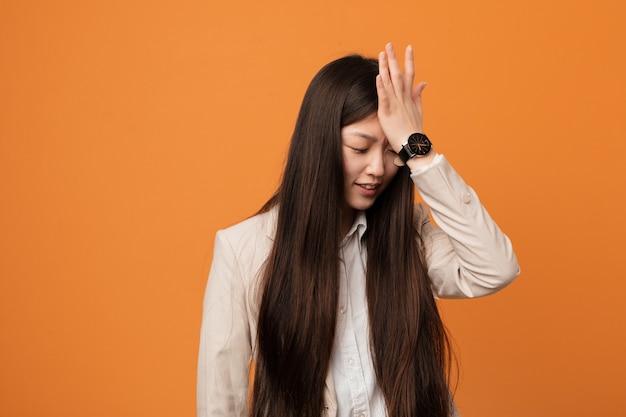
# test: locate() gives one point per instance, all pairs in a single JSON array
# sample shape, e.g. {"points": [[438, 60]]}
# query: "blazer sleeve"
{"points": [[467, 255], [225, 342]]}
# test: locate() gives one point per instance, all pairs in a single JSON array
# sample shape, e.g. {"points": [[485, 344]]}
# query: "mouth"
{"points": [[368, 190]]}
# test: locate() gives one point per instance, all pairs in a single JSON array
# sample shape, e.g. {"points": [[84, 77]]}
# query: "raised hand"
{"points": [[399, 104]]}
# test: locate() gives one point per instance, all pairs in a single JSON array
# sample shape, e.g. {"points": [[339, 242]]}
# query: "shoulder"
{"points": [[262, 225], [249, 241]]}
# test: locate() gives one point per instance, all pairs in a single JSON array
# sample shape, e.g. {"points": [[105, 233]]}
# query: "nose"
{"points": [[376, 164]]}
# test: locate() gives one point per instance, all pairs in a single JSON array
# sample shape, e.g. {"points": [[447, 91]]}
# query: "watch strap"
{"points": [[405, 153]]}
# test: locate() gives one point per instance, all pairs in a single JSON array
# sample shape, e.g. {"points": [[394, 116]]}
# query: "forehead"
{"points": [[368, 128]]}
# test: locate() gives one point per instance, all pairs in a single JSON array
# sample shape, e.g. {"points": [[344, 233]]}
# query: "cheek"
{"points": [[351, 168]]}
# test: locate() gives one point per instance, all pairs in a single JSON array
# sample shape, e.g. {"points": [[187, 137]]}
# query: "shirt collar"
{"points": [[358, 228]]}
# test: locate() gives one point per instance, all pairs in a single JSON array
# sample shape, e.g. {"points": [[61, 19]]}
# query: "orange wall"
{"points": [[131, 131]]}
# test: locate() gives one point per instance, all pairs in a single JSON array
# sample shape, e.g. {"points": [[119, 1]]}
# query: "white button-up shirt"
{"points": [[358, 394]]}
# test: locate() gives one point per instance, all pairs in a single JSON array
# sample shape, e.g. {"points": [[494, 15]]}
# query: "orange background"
{"points": [[130, 131]]}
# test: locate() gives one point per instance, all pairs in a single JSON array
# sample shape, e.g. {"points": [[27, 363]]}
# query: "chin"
{"points": [[362, 205]]}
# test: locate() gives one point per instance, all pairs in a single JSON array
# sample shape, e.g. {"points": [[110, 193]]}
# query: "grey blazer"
{"points": [[467, 256]]}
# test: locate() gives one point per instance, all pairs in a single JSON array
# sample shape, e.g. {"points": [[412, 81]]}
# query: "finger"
{"points": [[383, 69], [417, 92], [383, 101], [395, 73], [409, 69]]}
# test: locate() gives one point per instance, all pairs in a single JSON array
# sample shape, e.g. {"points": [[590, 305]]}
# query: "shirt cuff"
{"points": [[435, 161]]}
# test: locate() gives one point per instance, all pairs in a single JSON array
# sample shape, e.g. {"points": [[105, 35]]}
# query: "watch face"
{"points": [[419, 144]]}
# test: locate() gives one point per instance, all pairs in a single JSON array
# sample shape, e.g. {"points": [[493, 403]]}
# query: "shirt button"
{"points": [[342, 310], [351, 361], [362, 415], [466, 198]]}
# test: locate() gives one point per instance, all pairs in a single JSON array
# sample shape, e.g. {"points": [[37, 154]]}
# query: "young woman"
{"points": [[326, 298]]}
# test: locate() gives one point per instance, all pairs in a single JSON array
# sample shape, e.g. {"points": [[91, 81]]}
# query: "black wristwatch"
{"points": [[417, 145]]}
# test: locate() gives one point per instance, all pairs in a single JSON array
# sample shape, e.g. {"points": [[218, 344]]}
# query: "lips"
{"points": [[369, 186], [368, 190]]}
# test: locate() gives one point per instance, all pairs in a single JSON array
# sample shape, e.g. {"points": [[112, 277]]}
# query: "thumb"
{"points": [[417, 91]]}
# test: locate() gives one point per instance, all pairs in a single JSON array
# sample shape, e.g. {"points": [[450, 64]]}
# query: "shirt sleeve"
{"points": [[225, 342], [467, 254]]}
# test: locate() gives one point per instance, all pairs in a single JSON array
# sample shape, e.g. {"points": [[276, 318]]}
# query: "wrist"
{"points": [[417, 163]]}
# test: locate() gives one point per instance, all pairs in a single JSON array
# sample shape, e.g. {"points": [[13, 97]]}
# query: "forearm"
{"points": [[467, 255]]}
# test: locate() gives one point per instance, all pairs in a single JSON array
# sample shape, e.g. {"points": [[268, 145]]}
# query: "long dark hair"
{"points": [[296, 324]]}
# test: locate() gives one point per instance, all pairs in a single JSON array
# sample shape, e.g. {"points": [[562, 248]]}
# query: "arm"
{"points": [[467, 255], [225, 346]]}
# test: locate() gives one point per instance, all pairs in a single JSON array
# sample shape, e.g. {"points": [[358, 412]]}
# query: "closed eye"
{"points": [[359, 151]]}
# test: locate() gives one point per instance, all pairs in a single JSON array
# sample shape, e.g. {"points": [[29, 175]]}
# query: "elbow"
{"points": [[499, 278], [510, 270], [480, 283]]}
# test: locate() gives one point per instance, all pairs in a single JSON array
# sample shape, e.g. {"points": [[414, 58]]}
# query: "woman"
{"points": [[330, 289]]}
